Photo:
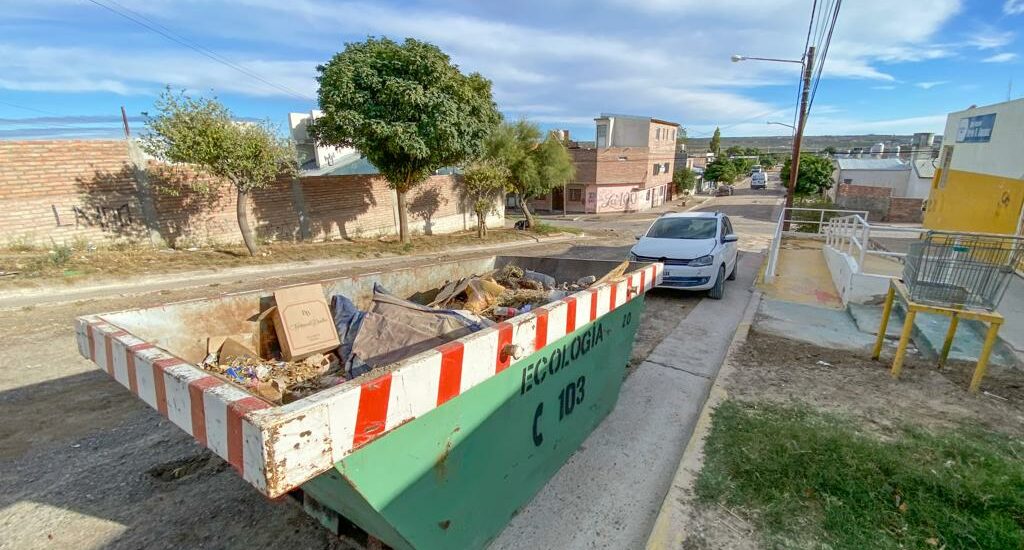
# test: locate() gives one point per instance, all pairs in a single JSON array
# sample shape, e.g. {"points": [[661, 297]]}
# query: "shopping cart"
{"points": [[962, 270]]}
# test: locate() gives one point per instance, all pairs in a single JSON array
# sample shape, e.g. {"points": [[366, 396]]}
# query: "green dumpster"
{"points": [[438, 450]]}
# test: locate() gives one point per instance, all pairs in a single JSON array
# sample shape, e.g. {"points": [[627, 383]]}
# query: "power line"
{"points": [[147, 23], [824, 54]]}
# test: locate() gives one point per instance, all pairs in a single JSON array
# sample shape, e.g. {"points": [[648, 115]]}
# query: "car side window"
{"points": [[726, 227]]}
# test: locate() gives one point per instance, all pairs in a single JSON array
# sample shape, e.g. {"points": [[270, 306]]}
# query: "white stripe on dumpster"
{"points": [[215, 404], [413, 390], [478, 358], [252, 451], [603, 297], [341, 417], [556, 320], [144, 376]]}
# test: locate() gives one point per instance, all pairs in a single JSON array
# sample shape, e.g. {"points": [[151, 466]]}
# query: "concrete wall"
{"points": [[892, 179], [982, 186], [853, 287], [880, 202], [65, 190]]}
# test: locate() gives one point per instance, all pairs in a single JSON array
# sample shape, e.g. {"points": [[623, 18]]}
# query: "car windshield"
{"points": [[684, 228]]}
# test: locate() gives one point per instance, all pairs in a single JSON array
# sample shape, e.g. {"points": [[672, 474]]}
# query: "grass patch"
{"points": [[813, 480], [545, 229], [81, 261]]}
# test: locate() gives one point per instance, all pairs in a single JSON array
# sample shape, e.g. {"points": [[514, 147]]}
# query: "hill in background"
{"points": [[810, 143]]}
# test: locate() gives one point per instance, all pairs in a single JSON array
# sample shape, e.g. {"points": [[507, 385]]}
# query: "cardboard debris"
{"points": [[614, 274], [303, 322], [232, 348]]}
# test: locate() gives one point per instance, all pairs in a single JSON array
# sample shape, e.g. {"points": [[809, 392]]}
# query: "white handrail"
{"points": [[783, 220]]}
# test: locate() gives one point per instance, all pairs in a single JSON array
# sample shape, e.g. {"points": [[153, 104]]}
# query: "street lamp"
{"points": [[798, 132], [738, 58], [790, 126]]}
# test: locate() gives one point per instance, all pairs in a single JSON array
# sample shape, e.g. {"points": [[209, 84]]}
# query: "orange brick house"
{"points": [[628, 169]]}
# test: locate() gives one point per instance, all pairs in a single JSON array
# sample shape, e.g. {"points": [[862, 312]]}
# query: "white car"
{"points": [[699, 250]]}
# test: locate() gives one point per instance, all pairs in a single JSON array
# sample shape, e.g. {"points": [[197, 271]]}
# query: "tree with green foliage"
{"points": [[684, 179], [767, 161], [829, 150], [734, 151], [201, 132], [742, 165], [406, 107], [716, 141], [721, 170], [535, 167], [484, 181], [813, 177]]}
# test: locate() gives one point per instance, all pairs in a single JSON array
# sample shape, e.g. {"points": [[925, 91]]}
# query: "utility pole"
{"points": [[794, 165], [124, 119]]}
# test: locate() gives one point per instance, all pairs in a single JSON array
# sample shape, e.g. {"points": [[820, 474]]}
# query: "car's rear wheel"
{"points": [[718, 290]]}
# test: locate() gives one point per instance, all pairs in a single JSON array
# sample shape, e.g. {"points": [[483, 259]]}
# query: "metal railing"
{"points": [[852, 235], [801, 217]]}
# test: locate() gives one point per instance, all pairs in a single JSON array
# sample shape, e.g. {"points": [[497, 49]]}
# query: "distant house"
{"points": [[888, 188], [629, 168], [314, 157]]}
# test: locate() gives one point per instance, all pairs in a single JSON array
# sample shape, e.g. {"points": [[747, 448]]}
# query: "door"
{"points": [[557, 199]]}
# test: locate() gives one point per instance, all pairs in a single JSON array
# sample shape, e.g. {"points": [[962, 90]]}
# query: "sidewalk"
{"points": [[51, 295], [692, 202]]}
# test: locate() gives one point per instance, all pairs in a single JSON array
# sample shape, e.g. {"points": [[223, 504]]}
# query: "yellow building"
{"points": [[979, 183]]}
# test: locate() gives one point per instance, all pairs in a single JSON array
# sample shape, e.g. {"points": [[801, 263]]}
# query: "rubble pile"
{"points": [[311, 346]]}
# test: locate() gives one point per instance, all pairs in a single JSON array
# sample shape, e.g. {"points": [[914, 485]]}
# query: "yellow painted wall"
{"points": [[975, 202]]}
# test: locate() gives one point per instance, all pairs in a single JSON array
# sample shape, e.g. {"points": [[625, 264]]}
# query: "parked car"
{"points": [[723, 190], [759, 180], [699, 250]]}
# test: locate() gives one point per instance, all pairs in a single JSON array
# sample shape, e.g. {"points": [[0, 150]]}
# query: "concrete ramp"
{"points": [[802, 275]]}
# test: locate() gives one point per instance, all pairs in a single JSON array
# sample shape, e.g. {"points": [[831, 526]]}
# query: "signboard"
{"points": [[975, 129]]}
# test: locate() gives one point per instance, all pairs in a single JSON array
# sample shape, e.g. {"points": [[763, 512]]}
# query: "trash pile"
{"points": [[303, 345]]}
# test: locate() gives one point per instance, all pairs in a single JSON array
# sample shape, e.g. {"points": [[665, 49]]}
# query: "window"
{"points": [[947, 159], [657, 169], [666, 169], [602, 135], [575, 195], [848, 181], [647, 197], [726, 227], [684, 228]]}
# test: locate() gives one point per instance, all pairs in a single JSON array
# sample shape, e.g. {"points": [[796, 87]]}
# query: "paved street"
{"points": [[86, 465]]}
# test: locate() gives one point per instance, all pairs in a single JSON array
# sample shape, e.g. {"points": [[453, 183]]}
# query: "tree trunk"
{"points": [[481, 224], [403, 218], [243, 222], [526, 211]]}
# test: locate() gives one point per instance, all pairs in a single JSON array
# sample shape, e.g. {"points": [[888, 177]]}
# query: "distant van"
{"points": [[755, 169], [759, 180]]}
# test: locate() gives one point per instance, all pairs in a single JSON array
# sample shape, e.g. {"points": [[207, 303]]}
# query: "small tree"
{"points": [[767, 161], [814, 176], [535, 167], [202, 133], [406, 107], [484, 181], [720, 170], [716, 141], [684, 179]]}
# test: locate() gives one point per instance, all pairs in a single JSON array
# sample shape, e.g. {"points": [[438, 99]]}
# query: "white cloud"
{"points": [[1013, 7], [1000, 58], [930, 85], [989, 38]]}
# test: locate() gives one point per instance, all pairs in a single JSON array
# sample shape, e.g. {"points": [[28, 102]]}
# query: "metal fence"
{"points": [[961, 269]]}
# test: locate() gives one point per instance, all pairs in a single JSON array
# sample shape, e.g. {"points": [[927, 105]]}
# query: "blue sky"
{"points": [[893, 67]]}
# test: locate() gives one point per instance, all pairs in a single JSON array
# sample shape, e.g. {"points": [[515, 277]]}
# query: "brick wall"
{"points": [[65, 190], [879, 202]]}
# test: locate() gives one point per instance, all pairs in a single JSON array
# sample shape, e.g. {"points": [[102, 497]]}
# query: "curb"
{"points": [[192, 279], [669, 531]]}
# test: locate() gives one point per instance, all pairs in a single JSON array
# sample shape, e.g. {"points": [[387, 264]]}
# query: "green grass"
{"points": [[812, 480], [549, 229]]}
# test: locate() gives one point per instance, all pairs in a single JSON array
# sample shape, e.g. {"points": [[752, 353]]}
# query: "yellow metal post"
{"points": [[901, 349], [954, 320], [986, 350], [886, 311]]}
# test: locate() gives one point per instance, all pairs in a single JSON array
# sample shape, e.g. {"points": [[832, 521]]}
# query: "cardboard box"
{"points": [[303, 322]]}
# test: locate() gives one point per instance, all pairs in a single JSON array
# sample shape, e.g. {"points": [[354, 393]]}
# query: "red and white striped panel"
{"points": [[278, 448]]}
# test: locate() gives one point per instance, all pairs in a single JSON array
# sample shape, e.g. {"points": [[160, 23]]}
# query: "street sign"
{"points": [[976, 129]]}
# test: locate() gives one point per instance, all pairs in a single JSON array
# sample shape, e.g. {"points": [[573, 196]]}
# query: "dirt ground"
{"points": [[84, 464], [789, 372], [78, 262]]}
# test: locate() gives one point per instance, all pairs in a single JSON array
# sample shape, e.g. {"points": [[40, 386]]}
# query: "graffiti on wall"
{"points": [[105, 217], [620, 200]]}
